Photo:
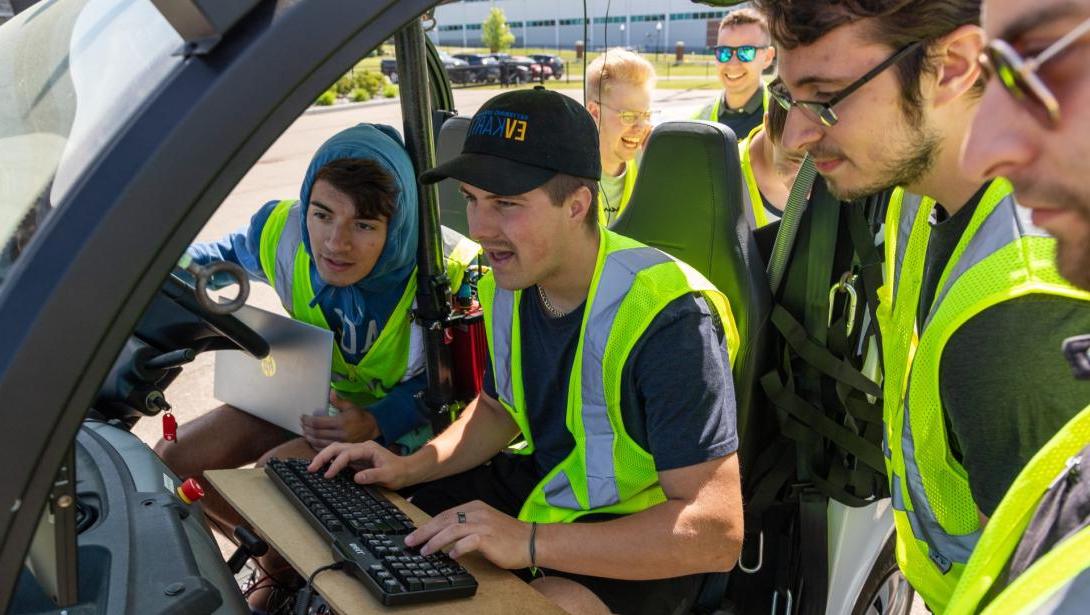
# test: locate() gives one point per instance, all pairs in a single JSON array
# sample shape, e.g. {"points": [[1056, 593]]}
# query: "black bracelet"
{"points": [[533, 548]]}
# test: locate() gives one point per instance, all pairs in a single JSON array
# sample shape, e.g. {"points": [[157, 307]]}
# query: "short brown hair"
{"points": [[895, 23], [370, 186], [744, 17], [777, 117], [561, 186]]}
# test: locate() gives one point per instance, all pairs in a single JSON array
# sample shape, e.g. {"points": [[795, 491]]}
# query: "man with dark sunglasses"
{"points": [[1034, 555], [743, 51], [881, 94]]}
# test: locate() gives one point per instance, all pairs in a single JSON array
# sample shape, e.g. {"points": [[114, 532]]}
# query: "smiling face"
{"points": [[740, 79], [618, 142], [345, 247], [875, 144], [1046, 164]]}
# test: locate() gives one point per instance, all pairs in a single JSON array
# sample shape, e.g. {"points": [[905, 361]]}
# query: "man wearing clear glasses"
{"points": [[1032, 128], [619, 88], [743, 51], [881, 94]]}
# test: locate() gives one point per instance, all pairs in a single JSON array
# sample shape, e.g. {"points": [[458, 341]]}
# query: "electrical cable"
{"points": [[302, 599]]}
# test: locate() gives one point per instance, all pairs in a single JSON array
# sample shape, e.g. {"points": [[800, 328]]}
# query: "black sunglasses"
{"points": [[745, 53], [823, 111]]}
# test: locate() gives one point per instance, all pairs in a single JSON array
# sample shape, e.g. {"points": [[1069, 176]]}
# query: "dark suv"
{"points": [[482, 68]]}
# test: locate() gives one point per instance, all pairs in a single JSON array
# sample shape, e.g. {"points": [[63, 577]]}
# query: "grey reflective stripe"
{"points": [[945, 548], [1000, 229], [290, 239], [618, 273], [558, 492], [910, 206], [1071, 598], [503, 311], [747, 204]]}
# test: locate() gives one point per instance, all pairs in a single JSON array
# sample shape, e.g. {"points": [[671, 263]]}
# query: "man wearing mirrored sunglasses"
{"points": [[1034, 555], [882, 94], [743, 50]]}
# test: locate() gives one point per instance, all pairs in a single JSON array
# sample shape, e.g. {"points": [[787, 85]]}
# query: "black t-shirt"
{"points": [[677, 395], [1004, 385]]}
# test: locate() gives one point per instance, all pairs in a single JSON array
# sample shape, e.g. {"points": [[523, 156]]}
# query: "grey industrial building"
{"points": [[646, 25]]}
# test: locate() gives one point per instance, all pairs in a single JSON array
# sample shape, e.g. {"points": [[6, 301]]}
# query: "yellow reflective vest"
{"points": [[1000, 256], [751, 192], [1044, 582], [286, 264], [606, 471]]}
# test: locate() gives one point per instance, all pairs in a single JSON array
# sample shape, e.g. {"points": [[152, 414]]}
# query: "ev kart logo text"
{"points": [[506, 124]]}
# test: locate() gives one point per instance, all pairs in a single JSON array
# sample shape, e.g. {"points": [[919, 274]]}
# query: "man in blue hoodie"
{"points": [[354, 231]]}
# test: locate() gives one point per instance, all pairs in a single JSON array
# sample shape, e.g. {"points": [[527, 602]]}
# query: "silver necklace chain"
{"points": [[553, 312]]}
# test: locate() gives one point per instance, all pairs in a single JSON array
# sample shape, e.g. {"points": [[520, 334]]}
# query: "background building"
{"points": [[646, 25]]}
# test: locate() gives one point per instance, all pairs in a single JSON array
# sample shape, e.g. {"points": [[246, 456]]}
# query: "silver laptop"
{"points": [[291, 382]]}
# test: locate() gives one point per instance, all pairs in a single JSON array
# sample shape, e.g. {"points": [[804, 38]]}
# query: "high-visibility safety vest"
{"points": [[710, 111], [1046, 580], [751, 194], [286, 264], [631, 169], [1000, 256], [606, 471]]}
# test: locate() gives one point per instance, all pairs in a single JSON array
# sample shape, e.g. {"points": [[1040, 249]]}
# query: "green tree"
{"points": [[494, 31]]}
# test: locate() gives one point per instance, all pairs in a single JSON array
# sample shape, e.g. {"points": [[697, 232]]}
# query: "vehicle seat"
{"points": [[452, 206], [688, 202]]}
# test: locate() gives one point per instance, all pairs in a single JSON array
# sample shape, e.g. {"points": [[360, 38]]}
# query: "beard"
{"points": [[910, 164]]}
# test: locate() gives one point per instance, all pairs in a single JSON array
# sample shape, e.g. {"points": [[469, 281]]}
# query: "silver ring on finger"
{"points": [[461, 517]]}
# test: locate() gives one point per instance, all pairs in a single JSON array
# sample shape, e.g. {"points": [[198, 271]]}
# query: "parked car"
{"points": [[556, 63], [482, 68], [535, 71], [458, 70]]}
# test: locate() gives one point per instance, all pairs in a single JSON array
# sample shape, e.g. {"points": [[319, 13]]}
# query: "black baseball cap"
{"points": [[521, 139]]}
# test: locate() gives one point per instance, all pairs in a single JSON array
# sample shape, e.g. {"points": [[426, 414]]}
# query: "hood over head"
{"points": [[382, 144]]}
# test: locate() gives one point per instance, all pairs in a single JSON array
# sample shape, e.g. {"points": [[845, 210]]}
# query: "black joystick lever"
{"points": [[249, 545]]}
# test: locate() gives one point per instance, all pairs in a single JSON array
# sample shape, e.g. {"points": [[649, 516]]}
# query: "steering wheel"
{"points": [[230, 327]]}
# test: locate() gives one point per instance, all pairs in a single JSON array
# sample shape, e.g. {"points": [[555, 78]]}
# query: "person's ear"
{"points": [[769, 54], [594, 110], [579, 205], [958, 55]]}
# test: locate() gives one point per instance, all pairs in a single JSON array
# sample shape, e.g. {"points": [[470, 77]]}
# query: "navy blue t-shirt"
{"points": [[677, 395]]}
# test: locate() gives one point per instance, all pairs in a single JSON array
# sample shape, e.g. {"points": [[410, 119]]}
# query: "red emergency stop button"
{"points": [[190, 491]]}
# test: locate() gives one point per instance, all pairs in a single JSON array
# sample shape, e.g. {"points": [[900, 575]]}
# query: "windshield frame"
{"points": [[75, 295]]}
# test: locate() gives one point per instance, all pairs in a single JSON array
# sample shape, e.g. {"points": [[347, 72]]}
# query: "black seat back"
{"points": [[448, 144], [688, 202]]}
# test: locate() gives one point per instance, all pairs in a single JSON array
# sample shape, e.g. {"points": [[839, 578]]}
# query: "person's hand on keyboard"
{"points": [[476, 526], [380, 465]]}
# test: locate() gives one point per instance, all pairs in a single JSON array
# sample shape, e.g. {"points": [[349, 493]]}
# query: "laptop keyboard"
{"points": [[367, 532]]}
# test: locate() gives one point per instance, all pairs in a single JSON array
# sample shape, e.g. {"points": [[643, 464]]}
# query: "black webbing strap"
{"points": [[815, 419], [819, 357], [814, 530], [870, 265]]}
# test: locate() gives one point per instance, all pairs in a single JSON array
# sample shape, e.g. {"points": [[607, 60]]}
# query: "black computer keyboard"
{"points": [[367, 532]]}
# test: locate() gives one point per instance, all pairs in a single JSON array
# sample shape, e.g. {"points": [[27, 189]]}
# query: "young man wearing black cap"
{"points": [[610, 360]]}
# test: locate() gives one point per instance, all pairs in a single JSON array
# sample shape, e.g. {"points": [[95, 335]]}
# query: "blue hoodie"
{"points": [[356, 313]]}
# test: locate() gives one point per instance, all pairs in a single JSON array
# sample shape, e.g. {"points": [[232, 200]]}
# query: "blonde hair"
{"points": [[617, 64]]}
